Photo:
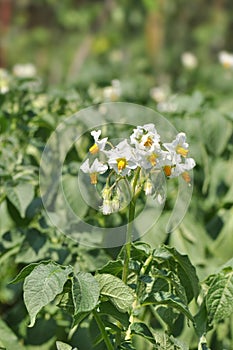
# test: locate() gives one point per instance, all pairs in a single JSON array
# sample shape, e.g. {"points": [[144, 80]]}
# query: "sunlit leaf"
{"points": [[21, 196], [43, 284], [26, 271], [219, 297], [85, 291], [116, 290]]}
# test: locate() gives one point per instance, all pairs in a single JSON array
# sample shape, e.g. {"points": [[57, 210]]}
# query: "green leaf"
{"points": [[167, 342], [26, 271], [66, 302], [171, 300], [140, 251], [165, 280], [201, 320], [73, 194], [86, 291], [219, 297], [189, 238], [222, 246], [107, 308], [112, 267], [34, 247], [8, 339], [78, 318], [116, 290], [216, 132], [143, 330], [21, 196], [180, 265], [6, 222], [168, 315], [43, 284]]}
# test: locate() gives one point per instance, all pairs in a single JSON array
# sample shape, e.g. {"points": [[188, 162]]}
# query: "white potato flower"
{"points": [[99, 145], [96, 168], [179, 145], [145, 137], [112, 93], [122, 158]]}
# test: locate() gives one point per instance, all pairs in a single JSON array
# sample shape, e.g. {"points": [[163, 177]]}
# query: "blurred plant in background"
{"points": [[84, 41]]}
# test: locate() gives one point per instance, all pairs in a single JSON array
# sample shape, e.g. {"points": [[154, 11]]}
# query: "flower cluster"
{"points": [[143, 153]]}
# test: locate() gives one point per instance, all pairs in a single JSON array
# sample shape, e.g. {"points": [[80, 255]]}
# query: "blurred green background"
{"points": [[96, 41]]}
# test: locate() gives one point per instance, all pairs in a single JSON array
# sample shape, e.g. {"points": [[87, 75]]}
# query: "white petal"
{"points": [[85, 167], [96, 134]]}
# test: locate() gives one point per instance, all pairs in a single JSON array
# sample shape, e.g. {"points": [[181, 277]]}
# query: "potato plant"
{"points": [[55, 293]]}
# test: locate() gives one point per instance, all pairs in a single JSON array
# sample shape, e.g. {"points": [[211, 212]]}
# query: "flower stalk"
{"points": [[136, 158], [132, 207]]}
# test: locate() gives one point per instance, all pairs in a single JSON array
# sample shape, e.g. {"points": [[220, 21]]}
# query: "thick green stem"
{"points": [[103, 331], [132, 207]]}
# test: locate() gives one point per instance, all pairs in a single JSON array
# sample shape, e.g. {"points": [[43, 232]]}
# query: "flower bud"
{"points": [[148, 187]]}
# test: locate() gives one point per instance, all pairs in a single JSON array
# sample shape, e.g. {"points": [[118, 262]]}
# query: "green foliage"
{"points": [[8, 340]]}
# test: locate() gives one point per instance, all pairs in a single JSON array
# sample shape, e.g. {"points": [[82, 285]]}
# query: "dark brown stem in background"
{"points": [[5, 19]]}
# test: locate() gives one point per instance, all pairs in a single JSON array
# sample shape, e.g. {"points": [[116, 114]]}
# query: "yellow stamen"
{"points": [[167, 170], [186, 176], [149, 142], [94, 149], [152, 159], [93, 177], [121, 163], [182, 151]]}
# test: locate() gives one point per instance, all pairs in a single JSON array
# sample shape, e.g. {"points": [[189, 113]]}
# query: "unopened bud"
{"points": [[148, 187]]}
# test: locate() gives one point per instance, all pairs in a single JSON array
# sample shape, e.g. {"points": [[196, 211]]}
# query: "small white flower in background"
{"points": [[122, 159], [189, 60], [96, 168], [226, 59], [169, 106], [27, 70], [112, 93], [4, 81], [159, 93], [99, 145]]}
